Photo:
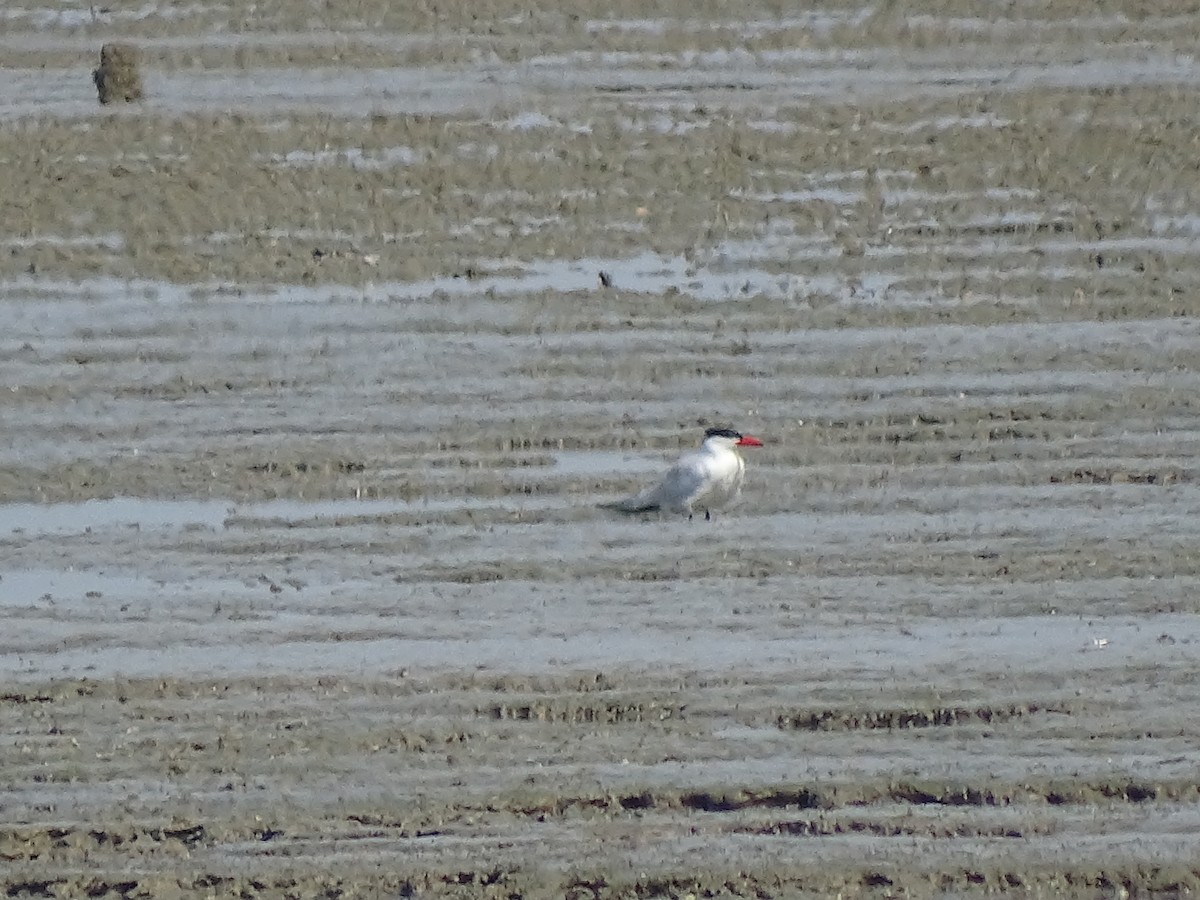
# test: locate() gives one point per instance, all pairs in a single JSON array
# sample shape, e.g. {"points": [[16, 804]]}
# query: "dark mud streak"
{"points": [[849, 720], [820, 828]]}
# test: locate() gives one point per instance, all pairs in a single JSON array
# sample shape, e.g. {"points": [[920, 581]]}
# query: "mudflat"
{"points": [[311, 386]]}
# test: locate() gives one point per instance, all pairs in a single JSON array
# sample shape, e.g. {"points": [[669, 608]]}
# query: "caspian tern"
{"points": [[707, 477]]}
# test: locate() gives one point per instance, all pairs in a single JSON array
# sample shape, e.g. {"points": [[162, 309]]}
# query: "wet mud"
{"points": [[311, 385]]}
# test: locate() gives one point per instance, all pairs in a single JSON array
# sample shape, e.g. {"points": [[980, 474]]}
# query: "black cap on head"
{"points": [[723, 432]]}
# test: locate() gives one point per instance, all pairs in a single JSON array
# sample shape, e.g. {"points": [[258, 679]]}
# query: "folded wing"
{"points": [[683, 484]]}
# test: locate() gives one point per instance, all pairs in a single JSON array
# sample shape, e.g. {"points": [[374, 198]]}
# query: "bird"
{"points": [[707, 477]]}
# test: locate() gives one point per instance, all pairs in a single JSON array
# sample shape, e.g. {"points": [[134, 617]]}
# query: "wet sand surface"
{"points": [[310, 389]]}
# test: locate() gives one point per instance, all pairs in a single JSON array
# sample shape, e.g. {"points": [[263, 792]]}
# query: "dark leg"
{"points": [[707, 516]]}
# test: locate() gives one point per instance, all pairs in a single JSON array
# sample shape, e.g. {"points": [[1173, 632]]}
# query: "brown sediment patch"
{"points": [[118, 77]]}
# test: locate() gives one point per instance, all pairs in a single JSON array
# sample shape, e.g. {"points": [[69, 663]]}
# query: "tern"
{"points": [[707, 477]]}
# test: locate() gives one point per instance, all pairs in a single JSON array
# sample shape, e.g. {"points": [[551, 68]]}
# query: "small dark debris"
{"points": [[189, 836], [644, 800]]}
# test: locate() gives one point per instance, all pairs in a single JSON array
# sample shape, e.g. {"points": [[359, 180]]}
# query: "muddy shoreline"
{"points": [[312, 386]]}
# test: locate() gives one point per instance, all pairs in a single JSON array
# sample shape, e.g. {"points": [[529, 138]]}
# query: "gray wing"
{"points": [[682, 485], [679, 489]]}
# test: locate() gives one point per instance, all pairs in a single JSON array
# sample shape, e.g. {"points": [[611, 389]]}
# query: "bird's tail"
{"points": [[646, 501]]}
